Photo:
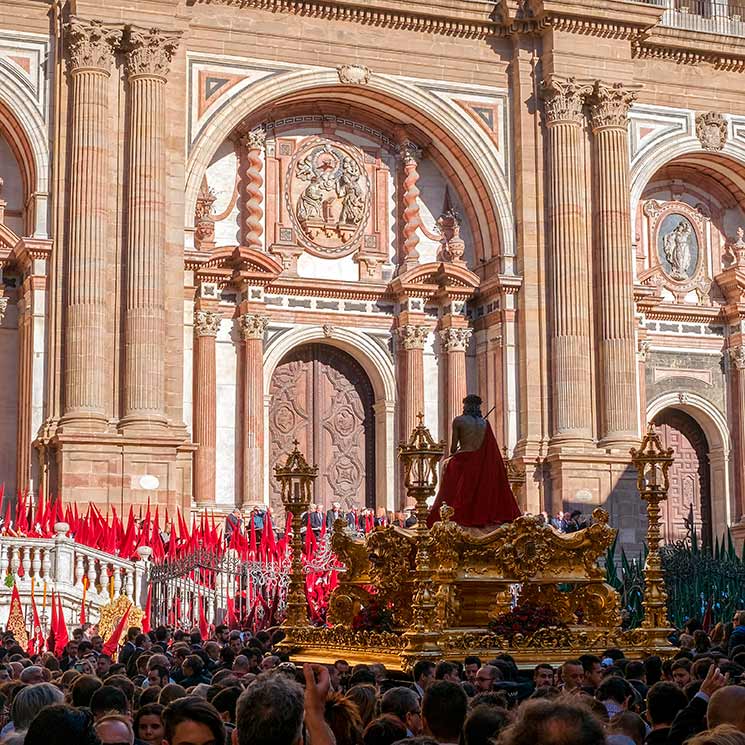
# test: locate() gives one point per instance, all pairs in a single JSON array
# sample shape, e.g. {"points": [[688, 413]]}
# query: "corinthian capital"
{"points": [[455, 339], [253, 326], [409, 153], [564, 99], [254, 140], [412, 337], [737, 355], [206, 323], [149, 52], [91, 43], [610, 104]]}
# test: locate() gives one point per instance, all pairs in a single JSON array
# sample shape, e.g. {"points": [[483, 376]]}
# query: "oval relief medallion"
{"points": [[328, 196], [677, 246]]}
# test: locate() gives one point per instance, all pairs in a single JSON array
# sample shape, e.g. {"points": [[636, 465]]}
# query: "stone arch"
{"points": [[715, 428], [379, 367], [467, 154], [24, 127]]}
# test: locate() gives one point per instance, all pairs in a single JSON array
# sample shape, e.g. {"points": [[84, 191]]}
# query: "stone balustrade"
{"points": [[70, 570]]}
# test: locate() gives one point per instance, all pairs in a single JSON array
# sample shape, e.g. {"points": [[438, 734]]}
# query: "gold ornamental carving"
{"points": [[149, 52], [91, 44], [564, 99], [711, 130], [112, 613], [610, 104]]}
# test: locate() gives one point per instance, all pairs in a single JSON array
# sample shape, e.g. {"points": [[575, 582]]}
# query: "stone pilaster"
{"points": [[252, 326], [86, 367], [454, 342], [569, 280], [410, 155], [737, 382], [616, 340], [253, 146], [148, 57], [411, 340], [206, 325]]}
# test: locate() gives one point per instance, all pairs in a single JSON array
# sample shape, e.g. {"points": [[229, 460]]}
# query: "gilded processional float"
{"points": [[445, 592]]}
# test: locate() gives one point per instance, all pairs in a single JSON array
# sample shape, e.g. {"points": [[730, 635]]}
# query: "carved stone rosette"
{"points": [[455, 339], [149, 52], [564, 99], [90, 44], [206, 323], [610, 104], [412, 337], [253, 326]]}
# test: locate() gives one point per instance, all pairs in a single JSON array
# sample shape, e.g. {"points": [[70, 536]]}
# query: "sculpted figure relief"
{"points": [[677, 248]]}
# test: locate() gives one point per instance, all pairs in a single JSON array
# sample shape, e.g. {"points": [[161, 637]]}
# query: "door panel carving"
{"points": [[689, 476], [323, 398]]}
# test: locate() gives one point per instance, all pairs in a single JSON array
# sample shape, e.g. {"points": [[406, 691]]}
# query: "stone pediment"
{"points": [[436, 277], [231, 263]]}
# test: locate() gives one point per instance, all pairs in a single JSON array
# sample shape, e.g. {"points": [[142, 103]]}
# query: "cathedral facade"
{"points": [[227, 225]]}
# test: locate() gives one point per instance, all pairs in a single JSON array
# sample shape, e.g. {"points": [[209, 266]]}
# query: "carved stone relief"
{"points": [[711, 130]]}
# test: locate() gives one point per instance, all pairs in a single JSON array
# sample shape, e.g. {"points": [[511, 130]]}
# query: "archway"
{"points": [[690, 476], [322, 397]]}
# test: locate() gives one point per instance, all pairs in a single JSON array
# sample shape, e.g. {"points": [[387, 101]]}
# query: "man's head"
{"points": [[97, 643], [635, 671], [103, 665], [403, 704], [486, 677], [543, 675], [236, 643], [240, 665], [593, 670], [83, 688], [424, 673], [72, 648], [32, 675], [471, 667], [444, 709], [132, 633], [109, 700], [29, 701], [472, 405], [572, 674], [115, 729], [727, 706], [158, 676], [447, 671], [681, 673], [192, 720], [270, 712], [213, 650], [664, 701], [222, 632]]}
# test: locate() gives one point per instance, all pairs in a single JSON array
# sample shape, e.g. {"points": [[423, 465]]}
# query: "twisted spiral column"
{"points": [[410, 155], [253, 144]]}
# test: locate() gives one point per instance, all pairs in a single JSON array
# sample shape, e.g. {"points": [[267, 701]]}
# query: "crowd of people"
{"points": [[170, 687]]}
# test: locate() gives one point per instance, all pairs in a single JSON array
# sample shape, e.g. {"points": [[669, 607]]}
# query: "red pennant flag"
{"points": [[61, 636], [148, 610], [36, 643], [51, 640], [112, 643], [16, 620], [82, 604], [204, 628]]}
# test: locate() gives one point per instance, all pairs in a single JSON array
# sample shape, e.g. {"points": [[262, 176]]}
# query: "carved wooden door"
{"points": [[322, 397], [689, 476]]}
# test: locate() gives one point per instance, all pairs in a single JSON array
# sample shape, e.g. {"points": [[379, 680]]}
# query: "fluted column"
{"points": [[206, 325], [454, 341], [411, 339], [616, 341], [148, 57], [569, 281], [252, 327], [410, 155], [86, 367], [253, 145], [737, 383]]}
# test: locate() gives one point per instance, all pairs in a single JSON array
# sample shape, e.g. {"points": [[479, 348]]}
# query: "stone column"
{"points": [[410, 155], [252, 327], [148, 57], [206, 325], [616, 342], [86, 367], [253, 145], [737, 378], [411, 340], [454, 341], [569, 280]]}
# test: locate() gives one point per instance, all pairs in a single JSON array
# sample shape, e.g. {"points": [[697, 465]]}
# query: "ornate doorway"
{"points": [[322, 397], [690, 482]]}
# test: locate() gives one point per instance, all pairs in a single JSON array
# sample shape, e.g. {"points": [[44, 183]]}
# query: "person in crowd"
{"points": [[444, 710], [405, 705], [192, 721], [486, 677], [471, 666], [424, 676], [115, 729]]}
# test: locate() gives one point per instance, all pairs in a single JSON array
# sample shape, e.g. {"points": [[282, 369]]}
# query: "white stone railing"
{"points": [[708, 16], [59, 564]]}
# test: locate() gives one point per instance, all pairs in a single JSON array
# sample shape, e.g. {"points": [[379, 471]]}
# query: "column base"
{"points": [[571, 443], [81, 420], [619, 442], [146, 424]]}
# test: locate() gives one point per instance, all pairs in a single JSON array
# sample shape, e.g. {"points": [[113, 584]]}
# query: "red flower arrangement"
{"points": [[525, 619], [373, 617]]}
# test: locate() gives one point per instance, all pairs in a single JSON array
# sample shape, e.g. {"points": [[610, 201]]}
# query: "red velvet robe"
{"points": [[476, 486]]}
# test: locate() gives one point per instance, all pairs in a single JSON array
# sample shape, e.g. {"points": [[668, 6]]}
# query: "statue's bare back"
{"points": [[468, 433]]}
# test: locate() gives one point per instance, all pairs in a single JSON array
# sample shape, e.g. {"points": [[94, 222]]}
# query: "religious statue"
{"points": [[350, 193], [677, 247], [474, 478], [309, 204]]}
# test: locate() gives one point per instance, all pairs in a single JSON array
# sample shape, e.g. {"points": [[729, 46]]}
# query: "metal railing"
{"points": [[708, 16]]}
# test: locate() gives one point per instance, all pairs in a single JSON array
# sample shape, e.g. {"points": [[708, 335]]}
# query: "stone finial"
{"points": [[91, 43], [253, 326], [564, 99], [149, 52], [455, 339], [610, 104], [711, 130], [353, 74], [204, 225], [206, 322], [412, 337]]}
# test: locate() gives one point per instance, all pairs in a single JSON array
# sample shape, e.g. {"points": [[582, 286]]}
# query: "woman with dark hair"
{"points": [[194, 672], [60, 724], [148, 724], [194, 721], [365, 696]]}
